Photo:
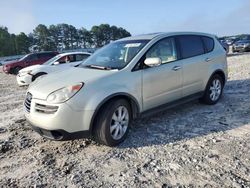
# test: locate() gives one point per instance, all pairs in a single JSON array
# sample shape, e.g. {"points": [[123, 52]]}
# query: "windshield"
{"points": [[52, 60], [24, 57], [115, 55]]}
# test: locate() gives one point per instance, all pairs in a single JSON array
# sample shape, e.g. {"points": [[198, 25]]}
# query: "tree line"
{"points": [[58, 38]]}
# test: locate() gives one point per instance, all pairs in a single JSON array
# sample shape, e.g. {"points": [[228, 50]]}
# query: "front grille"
{"points": [[27, 102], [47, 109]]}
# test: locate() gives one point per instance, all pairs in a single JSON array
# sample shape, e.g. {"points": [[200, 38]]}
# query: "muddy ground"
{"points": [[193, 145]]}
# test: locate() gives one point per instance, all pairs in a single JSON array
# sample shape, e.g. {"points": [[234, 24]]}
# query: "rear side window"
{"points": [[80, 57], [190, 46], [209, 43]]}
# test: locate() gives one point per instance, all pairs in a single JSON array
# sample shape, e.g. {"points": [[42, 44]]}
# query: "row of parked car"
{"points": [[43, 63], [238, 44], [98, 97]]}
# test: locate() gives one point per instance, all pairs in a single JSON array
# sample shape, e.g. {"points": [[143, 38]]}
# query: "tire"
{"points": [[213, 90], [109, 117], [37, 75], [16, 70]]}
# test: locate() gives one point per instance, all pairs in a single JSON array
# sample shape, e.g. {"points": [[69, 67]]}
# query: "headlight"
{"points": [[64, 94]]}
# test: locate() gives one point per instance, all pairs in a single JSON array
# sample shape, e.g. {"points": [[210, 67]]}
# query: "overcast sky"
{"points": [[221, 17]]}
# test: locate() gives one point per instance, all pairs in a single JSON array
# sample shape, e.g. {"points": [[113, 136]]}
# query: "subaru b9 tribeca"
{"points": [[127, 78]]}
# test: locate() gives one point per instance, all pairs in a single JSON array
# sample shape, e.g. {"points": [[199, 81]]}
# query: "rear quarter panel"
{"points": [[218, 63]]}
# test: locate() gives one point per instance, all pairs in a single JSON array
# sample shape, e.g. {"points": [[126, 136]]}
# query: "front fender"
{"points": [[92, 101]]}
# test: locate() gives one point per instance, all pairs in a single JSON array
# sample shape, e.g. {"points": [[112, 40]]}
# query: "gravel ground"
{"points": [[192, 145]]}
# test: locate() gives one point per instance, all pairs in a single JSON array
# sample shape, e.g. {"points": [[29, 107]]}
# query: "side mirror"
{"points": [[56, 63], [153, 61]]}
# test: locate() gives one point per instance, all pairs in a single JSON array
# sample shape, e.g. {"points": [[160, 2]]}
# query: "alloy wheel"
{"points": [[119, 122], [215, 89]]}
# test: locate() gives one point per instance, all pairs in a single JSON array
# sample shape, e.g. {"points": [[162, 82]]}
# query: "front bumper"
{"points": [[24, 80], [6, 69], [62, 123], [60, 135]]}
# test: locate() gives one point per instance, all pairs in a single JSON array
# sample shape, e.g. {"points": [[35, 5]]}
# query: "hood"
{"points": [[41, 88], [8, 63], [30, 68]]}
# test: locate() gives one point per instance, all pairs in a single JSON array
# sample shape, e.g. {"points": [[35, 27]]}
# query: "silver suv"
{"points": [[128, 78]]}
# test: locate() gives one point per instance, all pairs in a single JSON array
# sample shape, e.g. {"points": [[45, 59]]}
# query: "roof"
{"points": [[72, 53], [153, 35], [43, 52]]}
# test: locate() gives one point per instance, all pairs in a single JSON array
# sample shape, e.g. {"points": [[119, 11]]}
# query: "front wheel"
{"points": [[213, 90], [16, 70], [112, 123]]}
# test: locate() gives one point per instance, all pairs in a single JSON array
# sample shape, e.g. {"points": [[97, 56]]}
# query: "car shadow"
{"points": [[193, 119]]}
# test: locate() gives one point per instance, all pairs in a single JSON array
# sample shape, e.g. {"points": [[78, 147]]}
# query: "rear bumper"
{"points": [[60, 135]]}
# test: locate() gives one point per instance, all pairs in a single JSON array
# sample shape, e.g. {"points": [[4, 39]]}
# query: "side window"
{"points": [[164, 49], [80, 57], [32, 57], [190, 46], [71, 58], [50, 55], [41, 55], [45, 55], [209, 43], [66, 59]]}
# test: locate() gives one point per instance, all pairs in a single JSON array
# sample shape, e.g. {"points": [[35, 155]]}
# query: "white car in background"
{"points": [[57, 63]]}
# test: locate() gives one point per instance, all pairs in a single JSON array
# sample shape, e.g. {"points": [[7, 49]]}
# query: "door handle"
{"points": [[176, 68], [208, 59]]}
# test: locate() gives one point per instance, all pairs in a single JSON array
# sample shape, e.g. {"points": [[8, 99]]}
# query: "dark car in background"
{"points": [[28, 60], [241, 46], [225, 45]]}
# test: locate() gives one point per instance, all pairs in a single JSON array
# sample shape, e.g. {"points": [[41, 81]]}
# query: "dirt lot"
{"points": [[189, 146]]}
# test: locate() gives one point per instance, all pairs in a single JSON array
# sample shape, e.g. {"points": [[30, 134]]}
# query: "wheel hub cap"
{"points": [[119, 122], [215, 90]]}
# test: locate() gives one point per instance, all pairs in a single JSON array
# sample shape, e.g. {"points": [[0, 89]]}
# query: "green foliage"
{"points": [[103, 34], [6, 42], [22, 43], [58, 37]]}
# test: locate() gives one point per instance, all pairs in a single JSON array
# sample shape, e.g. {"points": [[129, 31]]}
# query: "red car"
{"points": [[28, 60]]}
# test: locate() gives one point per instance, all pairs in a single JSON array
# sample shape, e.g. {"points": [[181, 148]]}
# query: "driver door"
{"points": [[162, 84]]}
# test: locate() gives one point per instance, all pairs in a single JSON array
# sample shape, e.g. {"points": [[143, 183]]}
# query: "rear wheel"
{"points": [[112, 123], [37, 75], [213, 90]]}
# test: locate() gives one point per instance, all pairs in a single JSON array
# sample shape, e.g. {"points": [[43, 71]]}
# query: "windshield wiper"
{"points": [[98, 67]]}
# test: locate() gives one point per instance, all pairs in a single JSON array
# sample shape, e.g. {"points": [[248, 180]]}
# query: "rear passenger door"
{"points": [[194, 62], [162, 84]]}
